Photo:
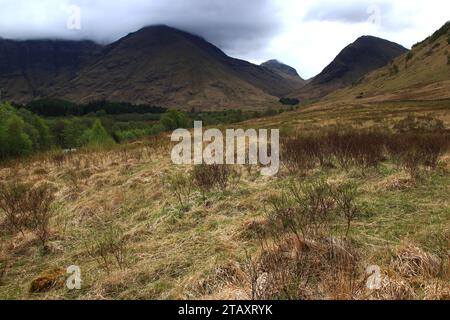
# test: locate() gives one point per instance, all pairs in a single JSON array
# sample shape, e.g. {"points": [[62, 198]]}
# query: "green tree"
{"points": [[174, 119], [18, 143], [13, 139], [72, 134], [36, 129], [97, 136]]}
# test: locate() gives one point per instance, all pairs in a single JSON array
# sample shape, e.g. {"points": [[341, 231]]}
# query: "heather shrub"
{"points": [[180, 185], [300, 154], [27, 208], [214, 177], [415, 150], [305, 247], [109, 248]]}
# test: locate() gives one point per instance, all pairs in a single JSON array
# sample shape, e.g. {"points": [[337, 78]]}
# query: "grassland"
{"points": [[205, 247]]}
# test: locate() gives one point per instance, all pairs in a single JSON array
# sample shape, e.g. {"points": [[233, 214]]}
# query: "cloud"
{"points": [[306, 34], [234, 25], [345, 11], [383, 13]]}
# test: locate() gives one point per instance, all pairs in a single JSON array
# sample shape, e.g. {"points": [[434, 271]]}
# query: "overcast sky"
{"points": [[306, 34]]}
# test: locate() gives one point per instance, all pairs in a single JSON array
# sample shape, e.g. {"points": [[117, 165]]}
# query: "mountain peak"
{"points": [[282, 69], [365, 54]]}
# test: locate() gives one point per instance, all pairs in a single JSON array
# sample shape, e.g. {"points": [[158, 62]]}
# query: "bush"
{"points": [[300, 154], [110, 247], [344, 196], [180, 185], [289, 101], [39, 204], [217, 176], [303, 210], [97, 136], [14, 141], [411, 151], [358, 147], [22, 132], [13, 198], [174, 119], [305, 248], [27, 208]]}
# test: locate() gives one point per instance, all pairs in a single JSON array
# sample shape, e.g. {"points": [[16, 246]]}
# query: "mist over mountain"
{"points": [[156, 65]]}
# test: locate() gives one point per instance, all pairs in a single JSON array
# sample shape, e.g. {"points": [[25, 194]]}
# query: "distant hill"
{"points": [[284, 71], [156, 65], [29, 68], [421, 74], [367, 53]]}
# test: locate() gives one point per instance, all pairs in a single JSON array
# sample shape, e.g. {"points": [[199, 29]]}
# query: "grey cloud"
{"points": [[357, 12], [349, 12], [233, 25]]}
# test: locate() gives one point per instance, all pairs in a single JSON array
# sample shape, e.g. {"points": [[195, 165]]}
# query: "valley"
{"points": [[363, 183]]}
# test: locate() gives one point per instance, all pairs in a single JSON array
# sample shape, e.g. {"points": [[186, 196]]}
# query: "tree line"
{"points": [[62, 108]]}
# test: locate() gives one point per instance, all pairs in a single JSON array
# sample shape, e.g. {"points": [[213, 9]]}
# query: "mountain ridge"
{"points": [[366, 54], [284, 71], [164, 66]]}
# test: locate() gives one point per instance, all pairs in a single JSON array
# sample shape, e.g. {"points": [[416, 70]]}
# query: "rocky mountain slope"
{"points": [[366, 54], [155, 65]]}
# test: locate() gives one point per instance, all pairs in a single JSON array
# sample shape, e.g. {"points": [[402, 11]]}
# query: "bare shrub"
{"points": [[363, 148], [12, 201], [287, 270], [300, 154], [344, 196], [109, 248], [341, 148], [28, 208], [180, 185], [39, 204], [413, 151], [305, 248], [305, 210], [216, 176]]}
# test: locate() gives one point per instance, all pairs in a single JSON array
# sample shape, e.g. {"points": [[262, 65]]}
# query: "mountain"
{"points": [[284, 71], [421, 74], [156, 65], [367, 53], [28, 68]]}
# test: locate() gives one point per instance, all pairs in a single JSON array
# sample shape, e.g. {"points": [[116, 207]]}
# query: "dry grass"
{"points": [[206, 248]]}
